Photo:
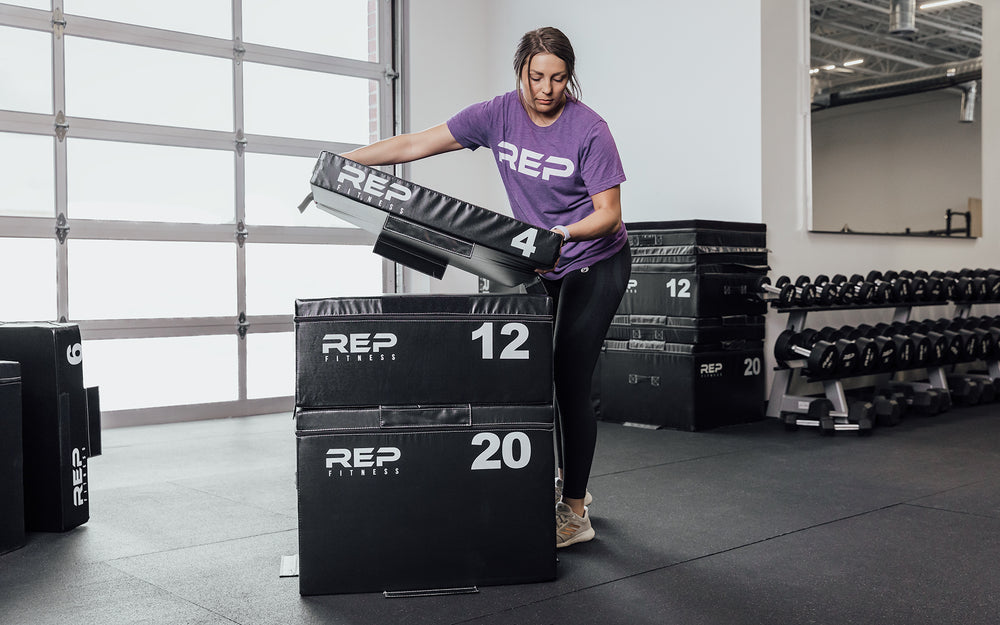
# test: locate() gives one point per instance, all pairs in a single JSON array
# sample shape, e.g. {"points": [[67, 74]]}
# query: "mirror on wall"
{"points": [[895, 130]]}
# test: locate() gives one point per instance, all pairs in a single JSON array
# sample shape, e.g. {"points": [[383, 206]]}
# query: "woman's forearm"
{"points": [[406, 148], [605, 220]]}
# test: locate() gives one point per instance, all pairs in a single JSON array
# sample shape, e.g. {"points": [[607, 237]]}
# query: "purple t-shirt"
{"points": [[549, 172]]}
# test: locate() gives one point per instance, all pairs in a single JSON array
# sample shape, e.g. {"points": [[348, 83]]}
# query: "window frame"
{"points": [[62, 224]]}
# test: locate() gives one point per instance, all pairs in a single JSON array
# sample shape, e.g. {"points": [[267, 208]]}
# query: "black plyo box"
{"points": [[697, 232], [702, 259], [423, 349], [11, 459], [55, 425], [421, 498], [651, 291], [427, 230], [682, 386], [695, 330]]}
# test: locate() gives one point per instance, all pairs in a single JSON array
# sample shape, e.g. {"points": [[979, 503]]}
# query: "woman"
{"points": [[561, 169]]}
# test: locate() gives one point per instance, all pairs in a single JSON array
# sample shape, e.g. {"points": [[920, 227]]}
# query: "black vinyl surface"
{"points": [[427, 230], [742, 524]]}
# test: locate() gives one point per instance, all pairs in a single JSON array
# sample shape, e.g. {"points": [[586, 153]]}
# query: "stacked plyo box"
{"points": [[61, 422], [11, 459], [421, 423], [685, 350]]}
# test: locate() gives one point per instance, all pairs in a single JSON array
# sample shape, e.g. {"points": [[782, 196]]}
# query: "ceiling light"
{"points": [[828, 67], [814, 70], [939, 3], [854, 62]]}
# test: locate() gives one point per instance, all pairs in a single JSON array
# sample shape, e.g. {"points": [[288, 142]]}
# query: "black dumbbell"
{"points": [[965, 389], [958, 288], [934, 287], [924, 401], [825, 291], [805, 292], [918, 284], [883, 347], [859, 412], [986, 283], [898, 288], [910, 353], [854, 290], [785, 294], [819, 411], [848, 354], [986, 341], [820, 356], [888, 406], [925, 350], [961, 346], [989, 386], [991, 327], [868, 352]]}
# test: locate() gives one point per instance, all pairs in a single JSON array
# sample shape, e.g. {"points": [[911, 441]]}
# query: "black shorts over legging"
{"points": [[585, 301]]}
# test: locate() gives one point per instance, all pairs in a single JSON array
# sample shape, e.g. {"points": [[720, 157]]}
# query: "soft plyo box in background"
{"points": [[653, 291], [682, 386], [696, 268], [421, 498], [694, 330], [701, 233], [56, 423], [427, 230], [423, 349], [11, 459]]}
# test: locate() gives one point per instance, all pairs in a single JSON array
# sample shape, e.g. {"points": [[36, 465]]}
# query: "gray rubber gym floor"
{"points": [[749, 524]]}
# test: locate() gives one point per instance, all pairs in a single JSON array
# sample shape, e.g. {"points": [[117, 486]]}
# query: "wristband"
{"points": [[563, 230]]}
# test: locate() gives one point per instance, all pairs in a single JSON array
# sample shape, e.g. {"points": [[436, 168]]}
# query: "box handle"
{"points": [[422, 416], [634, 378]]}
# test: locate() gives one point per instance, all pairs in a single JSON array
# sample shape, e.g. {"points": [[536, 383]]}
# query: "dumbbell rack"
{"points": [[962, 311], [781, 400]]}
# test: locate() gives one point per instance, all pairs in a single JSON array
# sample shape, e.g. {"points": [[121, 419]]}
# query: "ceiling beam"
{"points": [[863, 50], [932, 22], [820, 61], [945, 54]]}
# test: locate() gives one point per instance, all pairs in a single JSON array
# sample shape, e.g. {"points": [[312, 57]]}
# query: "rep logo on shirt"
{"points": [[534, 164]]}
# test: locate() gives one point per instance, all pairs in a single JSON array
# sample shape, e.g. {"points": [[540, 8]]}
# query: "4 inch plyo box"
{"points": [[423, 349], [703, 259], [427, 230], [56, 422], [11, 459], [424, 498], [697, 232], [682, 386]]}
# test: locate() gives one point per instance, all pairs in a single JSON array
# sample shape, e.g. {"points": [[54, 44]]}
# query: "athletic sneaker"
{"points": [[570, 528], [587, 499]]}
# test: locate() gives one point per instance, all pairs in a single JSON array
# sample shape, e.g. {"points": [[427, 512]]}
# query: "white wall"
{"points": [[785, 184], [687, 129]]}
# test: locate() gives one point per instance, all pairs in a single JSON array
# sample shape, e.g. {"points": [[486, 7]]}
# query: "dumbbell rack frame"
{"points": [[781, 400]]}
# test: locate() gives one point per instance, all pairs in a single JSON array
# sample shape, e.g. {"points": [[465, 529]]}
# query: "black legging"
{"points": [[585, 301]]}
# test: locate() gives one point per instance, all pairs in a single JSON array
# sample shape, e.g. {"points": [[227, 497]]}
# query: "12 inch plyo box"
{"points": [[427, 349]]}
